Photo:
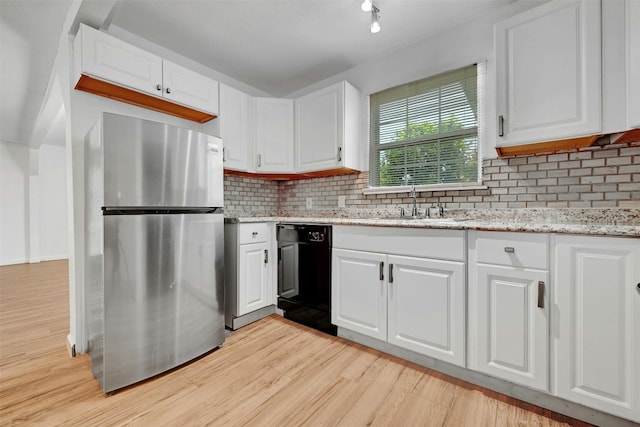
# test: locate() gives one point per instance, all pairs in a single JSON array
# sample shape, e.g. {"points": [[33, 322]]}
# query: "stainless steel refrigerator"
{"points": [[154, 272]]}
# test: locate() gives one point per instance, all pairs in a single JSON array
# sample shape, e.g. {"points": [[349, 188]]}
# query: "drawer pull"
{"points": [[381, 270], [540, 294], [509, 249], [255, 233]]}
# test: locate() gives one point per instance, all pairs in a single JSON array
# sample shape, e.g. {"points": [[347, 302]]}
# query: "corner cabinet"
{"points": [[390, 287], [509, 306], [236, 128], [327, 129], [109, 67], [597, 323], [548, 94], [249, 273], [274, 135]]}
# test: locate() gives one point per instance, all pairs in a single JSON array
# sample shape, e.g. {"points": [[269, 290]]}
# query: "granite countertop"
{"points": [[610, 222]]}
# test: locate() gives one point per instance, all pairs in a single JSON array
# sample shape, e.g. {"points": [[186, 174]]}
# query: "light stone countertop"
{"points": [[609, 222]]}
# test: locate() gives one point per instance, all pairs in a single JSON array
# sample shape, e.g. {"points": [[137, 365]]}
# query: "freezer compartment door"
{"points": [[163, 293], [148, 163]]}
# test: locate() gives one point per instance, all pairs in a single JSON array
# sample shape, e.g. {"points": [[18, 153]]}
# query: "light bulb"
{"points": [[375, 20], [375, 27], [366, 5]]}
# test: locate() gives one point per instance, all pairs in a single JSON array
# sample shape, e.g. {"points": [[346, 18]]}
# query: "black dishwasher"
{"points": [[304, 274]]}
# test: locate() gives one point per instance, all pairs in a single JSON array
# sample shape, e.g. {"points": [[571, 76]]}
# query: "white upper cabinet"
{"points": [[596, 322], [187, 87], [236, 128], [103, 57], [549, 81], [274, 135], [633, 63], [327, 129]]}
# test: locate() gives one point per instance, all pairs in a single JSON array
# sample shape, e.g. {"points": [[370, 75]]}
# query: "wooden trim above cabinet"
{"points": [[547, 147], [119, 93], [293, 176]]}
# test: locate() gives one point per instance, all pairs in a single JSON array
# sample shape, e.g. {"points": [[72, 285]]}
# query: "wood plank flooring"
{"points": [[270, 373]]}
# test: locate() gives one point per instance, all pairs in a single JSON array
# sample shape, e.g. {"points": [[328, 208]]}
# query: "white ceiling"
{"points": [[29, 35], [275, 46], [281, 46]]}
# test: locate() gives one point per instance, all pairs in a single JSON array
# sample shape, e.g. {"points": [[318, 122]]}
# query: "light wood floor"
{"points": [[271, 373]]}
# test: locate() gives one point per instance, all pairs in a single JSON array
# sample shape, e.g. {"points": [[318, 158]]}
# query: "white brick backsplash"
{"points": [[589, 177]]}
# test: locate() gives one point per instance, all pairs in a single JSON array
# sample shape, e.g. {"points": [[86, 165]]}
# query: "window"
{"points": [[426, 132]]}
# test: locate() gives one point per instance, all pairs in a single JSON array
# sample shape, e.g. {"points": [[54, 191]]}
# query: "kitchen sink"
{"points": [[411, 218]]}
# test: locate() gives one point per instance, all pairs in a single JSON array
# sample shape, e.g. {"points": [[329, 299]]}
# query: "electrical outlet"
{"points": [[341, 201], [309, 202]]}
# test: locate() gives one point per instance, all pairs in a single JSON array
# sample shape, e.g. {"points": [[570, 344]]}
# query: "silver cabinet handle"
{"points": [[168, 90], [540, 294], [259, 160], [381, 270], [266, 256], [390, 273], [509, 249], [500, 125], [339, 154], [224, 155], [159, 87]]}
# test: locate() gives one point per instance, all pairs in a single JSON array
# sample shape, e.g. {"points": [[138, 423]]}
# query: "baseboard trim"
{"points": [[525, 394], [13, 261], [71, 347], [244, 320]]}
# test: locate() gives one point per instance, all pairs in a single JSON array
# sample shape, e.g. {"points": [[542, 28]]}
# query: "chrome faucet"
{"points": [[412, 193]]}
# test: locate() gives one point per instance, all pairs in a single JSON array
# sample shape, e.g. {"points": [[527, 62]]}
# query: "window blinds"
{"points": [[426, 132]]}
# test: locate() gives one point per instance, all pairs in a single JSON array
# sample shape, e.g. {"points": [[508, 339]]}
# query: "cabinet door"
{"points": [[107, 58], [235, 128], [512, 325], [254, 286], [427, 307], [547, 94], [274, 135], [597, 324], [633, 63], [189, 88], [359, 292], [319, 129]]}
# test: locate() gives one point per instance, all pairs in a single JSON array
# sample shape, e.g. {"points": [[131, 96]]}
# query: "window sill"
{"points": [[424, 188]]}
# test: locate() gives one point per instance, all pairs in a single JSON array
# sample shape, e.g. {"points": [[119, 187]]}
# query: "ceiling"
{"points": [[276, 46]]}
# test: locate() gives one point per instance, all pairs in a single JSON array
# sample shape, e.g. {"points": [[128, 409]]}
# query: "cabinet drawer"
{"points": [[417, 242], [253, 233], [512, 249]]}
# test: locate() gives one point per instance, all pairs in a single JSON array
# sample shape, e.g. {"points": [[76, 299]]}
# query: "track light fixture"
{"points": [[375, 19]]}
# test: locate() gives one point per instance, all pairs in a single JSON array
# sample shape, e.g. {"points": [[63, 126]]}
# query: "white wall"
{"points": [[18, 187], [451, 49], [14, 174], [53, 203]]}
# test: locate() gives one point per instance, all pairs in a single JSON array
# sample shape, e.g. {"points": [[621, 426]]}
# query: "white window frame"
{"points": [[481, 100]]}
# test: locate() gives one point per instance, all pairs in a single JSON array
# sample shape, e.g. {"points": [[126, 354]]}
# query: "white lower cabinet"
{"points": [[359, 292], [509, 306], [253, 284], [426, 307], [413, 302], [596, 323], [249, 271]]}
